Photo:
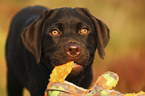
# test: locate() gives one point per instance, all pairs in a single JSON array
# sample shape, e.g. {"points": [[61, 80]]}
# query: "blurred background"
{"points": [[125, 53]]}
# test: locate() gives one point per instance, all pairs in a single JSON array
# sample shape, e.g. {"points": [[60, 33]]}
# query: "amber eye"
{"points": [[84, 31], [55, 32]]}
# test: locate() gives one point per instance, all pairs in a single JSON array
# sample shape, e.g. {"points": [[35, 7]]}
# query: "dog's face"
{"points": [[69, 37], [66, 34]]}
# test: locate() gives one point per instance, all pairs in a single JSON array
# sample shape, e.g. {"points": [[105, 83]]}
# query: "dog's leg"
{"points": [[14, 87]]}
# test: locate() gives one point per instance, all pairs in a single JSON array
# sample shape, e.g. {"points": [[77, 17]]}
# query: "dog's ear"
{"points": [[32, 35], [101, 32], [103, 36]]}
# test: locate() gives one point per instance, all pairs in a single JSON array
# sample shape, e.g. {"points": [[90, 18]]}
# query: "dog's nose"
{"points": [[73, 50]]}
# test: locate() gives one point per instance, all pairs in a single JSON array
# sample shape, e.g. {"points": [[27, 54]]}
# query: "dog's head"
{"points": [[66, 34]]}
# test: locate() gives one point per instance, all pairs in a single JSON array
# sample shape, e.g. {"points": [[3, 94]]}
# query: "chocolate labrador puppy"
{"points": [[40, 39]]}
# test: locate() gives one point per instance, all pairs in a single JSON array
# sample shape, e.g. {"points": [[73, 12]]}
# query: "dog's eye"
{"points": [[84, 31], [55, 32]]}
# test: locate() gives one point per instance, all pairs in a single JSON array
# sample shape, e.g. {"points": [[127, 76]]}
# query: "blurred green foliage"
{"points": [[126, 21]]}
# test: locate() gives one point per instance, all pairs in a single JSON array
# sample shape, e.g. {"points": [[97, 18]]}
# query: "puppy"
{"points": [[40, 39]]}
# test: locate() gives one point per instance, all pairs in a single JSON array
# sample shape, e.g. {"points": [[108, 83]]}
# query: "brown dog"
{"points": [[42, 38]]}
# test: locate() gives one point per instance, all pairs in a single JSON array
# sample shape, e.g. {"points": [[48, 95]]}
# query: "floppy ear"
{"points": [[103, 36], [32, 35], [101, 31]]}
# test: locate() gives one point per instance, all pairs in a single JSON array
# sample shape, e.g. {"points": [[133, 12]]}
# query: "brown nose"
{"points": [[73, 50]]}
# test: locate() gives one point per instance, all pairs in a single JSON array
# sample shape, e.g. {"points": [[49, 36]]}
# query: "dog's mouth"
{"points": [[77, 67]]}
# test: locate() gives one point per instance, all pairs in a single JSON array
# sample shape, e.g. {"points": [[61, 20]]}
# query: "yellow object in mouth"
{"points": [[59, 73]]}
